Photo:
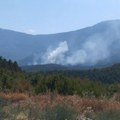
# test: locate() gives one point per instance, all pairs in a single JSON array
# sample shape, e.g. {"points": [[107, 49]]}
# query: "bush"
{"points": [[60, 112], [107, 115], [3, 103]]}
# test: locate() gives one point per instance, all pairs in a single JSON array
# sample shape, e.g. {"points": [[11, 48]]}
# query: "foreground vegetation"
{"points": [[12, 79], [58, 95], [17, 106]]}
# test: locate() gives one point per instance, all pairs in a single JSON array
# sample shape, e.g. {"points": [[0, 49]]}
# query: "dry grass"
{"points": [[51, 100], [81, 106], [14, 97], [78, 103]]}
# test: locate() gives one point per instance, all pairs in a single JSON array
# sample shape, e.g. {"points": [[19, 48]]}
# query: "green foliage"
{"points": [[106, 75], [33, 112], [11, 77], [67, 85], [9, 65], [59, 112], [83, 83], [107, 115], [3, 103]]}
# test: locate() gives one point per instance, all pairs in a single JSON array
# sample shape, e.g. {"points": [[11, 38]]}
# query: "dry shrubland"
{"points": [[55, 107], [78, 103]]}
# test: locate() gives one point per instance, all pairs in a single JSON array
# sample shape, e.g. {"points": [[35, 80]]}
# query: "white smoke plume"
{"points": [[90, 53], [98, 47], [56, 55]]}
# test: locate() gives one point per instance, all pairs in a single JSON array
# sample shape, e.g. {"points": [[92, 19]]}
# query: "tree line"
{"points": [[93, 83]]}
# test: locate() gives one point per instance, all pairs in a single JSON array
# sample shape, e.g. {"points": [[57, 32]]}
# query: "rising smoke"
{"points": [[91, 52], [98, 47], [56, 55]]}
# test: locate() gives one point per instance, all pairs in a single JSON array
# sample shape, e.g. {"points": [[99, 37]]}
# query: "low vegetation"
{"points": [[58, 95], [56, 107]]}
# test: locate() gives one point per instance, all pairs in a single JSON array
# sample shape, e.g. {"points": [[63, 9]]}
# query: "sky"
{"points": [[55, 16]]}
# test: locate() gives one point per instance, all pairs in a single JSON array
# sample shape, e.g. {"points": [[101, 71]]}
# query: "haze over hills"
{"points": [[97, 45]]}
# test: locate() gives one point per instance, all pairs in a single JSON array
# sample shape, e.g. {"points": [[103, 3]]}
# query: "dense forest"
{"points": [[104, 75], [11, 76], [9, 65], [96, 82]]}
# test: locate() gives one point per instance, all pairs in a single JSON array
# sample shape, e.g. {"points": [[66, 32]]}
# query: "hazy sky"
{"points": [[53, 16]]}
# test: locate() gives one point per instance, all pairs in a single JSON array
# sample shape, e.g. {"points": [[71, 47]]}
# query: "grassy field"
{"points": [[19, 106]]}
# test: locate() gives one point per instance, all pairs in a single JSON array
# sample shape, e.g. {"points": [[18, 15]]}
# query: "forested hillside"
{"points": [[104, 75], [96, 82], [9, 65], [11, 76]]}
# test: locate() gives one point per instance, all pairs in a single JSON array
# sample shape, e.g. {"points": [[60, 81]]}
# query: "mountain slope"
{"points": [[46, 67], [109, 74], [95, 45]]}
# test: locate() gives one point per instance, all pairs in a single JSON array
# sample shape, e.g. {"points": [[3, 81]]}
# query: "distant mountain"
{"points": [[98, 45], [44, 68], [57, 67]]}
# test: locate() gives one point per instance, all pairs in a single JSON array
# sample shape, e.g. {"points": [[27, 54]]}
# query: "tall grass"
{"points": [[32, 111], [17, 106]]}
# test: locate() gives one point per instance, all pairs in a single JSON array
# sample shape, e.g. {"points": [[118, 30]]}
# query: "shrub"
{"points": [[107, 115], [60, 112]]}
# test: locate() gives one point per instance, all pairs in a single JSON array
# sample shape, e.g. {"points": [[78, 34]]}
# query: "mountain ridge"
{"points": [[101, 22], [29, 49]]}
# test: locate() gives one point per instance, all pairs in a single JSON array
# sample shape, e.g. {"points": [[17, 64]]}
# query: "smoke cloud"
{"points": [[91, 52], [96, 48], [56, 55]]}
